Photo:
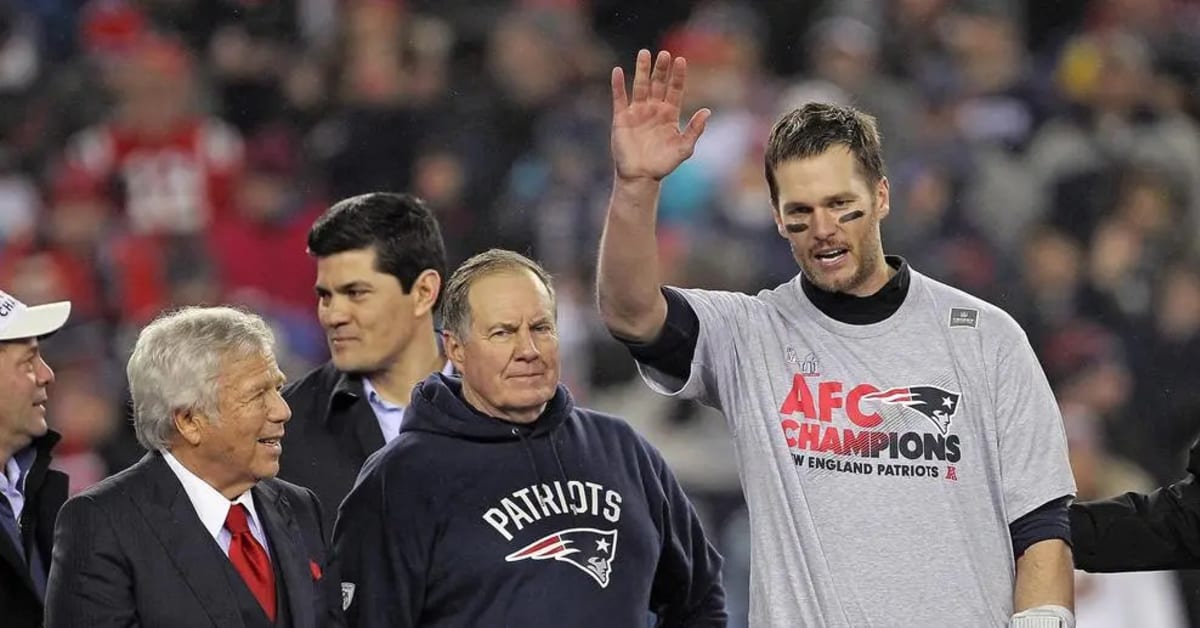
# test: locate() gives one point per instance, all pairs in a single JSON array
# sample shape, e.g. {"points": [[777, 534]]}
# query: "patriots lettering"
{"points": [[539, 501]]}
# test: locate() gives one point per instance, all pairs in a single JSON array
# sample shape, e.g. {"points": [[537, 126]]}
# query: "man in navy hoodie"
{"points": [[501, 503]]}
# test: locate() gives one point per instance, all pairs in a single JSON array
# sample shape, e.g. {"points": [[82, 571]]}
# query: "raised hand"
{"points": [[646, 140]]}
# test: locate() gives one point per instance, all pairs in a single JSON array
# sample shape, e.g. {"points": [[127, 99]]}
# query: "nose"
{"points": [[333, 312], [45, 374], [824, 224], [280, 412], [526, 348]]}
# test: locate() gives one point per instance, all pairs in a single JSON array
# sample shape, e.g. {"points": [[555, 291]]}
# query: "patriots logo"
{"points": [[589, 549], [936, 404]]}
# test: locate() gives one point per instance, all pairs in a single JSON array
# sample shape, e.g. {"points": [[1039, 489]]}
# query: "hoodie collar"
{"points": [[438, 407]]}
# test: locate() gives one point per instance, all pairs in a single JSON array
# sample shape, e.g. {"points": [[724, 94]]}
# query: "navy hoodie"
{"points": [[573, 520]]}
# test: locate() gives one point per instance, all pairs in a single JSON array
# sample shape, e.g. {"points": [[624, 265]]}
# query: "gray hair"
{"points": [[456, 308], [176, 365]]}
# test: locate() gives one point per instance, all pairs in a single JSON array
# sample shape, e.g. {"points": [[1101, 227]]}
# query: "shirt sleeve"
{"points": [[1032, 443], [715, 352], [672, 352], [1048, 521]]}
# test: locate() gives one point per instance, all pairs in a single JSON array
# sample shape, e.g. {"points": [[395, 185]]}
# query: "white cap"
{"points": [[19, 321]]}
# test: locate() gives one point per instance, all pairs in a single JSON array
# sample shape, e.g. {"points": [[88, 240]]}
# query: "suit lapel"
{"points": [[350, 400], [191, 548], [366, 426], [288, 550], [8, 553]]}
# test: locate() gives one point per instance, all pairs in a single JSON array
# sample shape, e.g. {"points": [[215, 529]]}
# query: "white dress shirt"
{"points": [[212, 507], [391, 415], [12, 487]]}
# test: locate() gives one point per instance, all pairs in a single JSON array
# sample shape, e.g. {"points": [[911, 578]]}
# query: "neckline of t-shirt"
{"points": [[871, 330]]}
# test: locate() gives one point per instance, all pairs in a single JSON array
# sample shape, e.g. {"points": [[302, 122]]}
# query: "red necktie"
{"points": [[250, 559]]}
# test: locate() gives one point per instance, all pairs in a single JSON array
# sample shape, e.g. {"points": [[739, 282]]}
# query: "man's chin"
{"points": [[353, 365], [37, 428], [267, 471], [829, 282]]}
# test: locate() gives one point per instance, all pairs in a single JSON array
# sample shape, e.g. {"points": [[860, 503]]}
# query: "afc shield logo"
{"points": [[347, 594], [936, 404], [588, 549]]}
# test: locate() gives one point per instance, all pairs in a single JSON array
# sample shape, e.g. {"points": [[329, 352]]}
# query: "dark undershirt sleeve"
{"points": [[1048, 521], [672, 351]]}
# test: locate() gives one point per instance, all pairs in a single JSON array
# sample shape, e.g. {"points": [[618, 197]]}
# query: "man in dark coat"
{"points": [[199, 534], [380, 262], [30, 493], [1136, 532]]}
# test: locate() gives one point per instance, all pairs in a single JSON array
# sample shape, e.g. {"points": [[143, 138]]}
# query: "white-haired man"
{"points": [[198, 533]]}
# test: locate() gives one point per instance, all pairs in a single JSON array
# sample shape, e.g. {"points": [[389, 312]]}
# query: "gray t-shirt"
{"points": [[881, 463]]}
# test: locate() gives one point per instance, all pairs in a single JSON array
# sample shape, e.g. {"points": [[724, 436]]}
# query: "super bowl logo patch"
{"points": [[347, 594], [964, 317], [587, 549]]}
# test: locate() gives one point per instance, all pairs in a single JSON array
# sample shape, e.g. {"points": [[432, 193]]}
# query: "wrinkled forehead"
{"points": [[250, 370], [509, 296]]}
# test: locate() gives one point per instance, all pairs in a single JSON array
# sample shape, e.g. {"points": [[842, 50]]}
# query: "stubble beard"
{"points": [[866, 266]]}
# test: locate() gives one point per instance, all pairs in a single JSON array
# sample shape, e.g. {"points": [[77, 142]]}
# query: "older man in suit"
{"points": [[198, 534], [30, 493]]}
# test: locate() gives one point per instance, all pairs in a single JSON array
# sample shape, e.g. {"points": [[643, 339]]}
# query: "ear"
{"points": [[425, 291], [454, 348], [883, 197], [190, 426]]}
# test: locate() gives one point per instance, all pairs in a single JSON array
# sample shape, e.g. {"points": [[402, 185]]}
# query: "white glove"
{"points": [[1045, 616]]}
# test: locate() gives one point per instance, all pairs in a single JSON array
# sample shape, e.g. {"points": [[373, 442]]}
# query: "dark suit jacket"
{"points": [[131, 551], [332, 432], [1135, 532], [45, 492]]}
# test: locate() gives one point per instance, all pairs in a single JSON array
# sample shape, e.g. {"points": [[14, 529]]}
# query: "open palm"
{"points": [[646, 139]]}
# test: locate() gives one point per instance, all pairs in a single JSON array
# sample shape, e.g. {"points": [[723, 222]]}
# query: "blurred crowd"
{"points": [[1043, 155]]}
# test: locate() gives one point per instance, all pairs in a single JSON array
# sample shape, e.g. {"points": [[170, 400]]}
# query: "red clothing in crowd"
{"points": [[179, 183]]}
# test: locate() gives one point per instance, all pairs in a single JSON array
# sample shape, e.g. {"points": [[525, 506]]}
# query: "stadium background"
{"points": [[1043, 154]]}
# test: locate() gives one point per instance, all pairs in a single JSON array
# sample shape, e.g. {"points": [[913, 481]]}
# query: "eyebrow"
{"points": [[259, 384], [511, 327], [344, 288], [798, 206]]}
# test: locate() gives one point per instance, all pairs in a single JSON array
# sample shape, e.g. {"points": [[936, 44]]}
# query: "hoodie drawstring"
{"points": [[529, 452], [562, 471]]}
